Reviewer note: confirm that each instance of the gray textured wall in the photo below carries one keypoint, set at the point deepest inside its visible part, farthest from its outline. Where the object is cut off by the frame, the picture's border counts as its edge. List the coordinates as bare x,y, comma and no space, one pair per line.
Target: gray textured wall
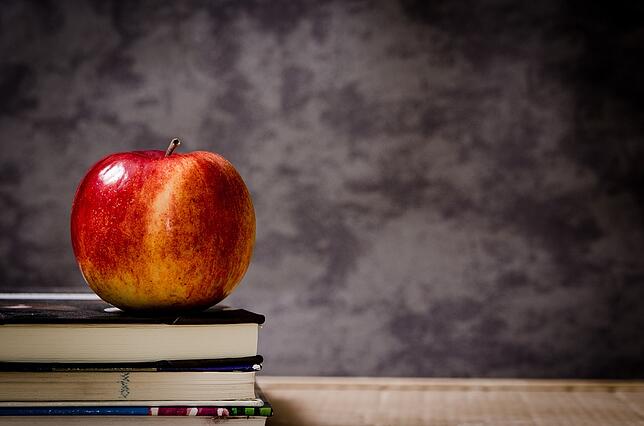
442,188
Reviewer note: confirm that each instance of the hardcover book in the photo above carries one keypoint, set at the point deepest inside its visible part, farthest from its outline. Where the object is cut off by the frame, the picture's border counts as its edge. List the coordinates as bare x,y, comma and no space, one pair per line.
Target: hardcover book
80,328
194,413
125,386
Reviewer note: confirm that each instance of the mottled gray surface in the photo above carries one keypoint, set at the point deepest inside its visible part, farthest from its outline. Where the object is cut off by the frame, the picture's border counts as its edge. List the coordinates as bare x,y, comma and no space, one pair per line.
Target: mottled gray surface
442,188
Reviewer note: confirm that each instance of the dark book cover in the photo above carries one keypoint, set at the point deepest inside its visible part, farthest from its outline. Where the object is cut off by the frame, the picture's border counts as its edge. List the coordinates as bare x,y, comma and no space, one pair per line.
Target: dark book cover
246,364
88,309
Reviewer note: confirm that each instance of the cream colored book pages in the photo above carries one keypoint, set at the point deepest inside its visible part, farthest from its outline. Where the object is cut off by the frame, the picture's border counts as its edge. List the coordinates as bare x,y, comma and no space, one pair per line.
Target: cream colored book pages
132,386
131,343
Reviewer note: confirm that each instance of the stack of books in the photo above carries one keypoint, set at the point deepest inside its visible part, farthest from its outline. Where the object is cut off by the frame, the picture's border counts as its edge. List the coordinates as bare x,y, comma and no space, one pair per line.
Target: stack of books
83,361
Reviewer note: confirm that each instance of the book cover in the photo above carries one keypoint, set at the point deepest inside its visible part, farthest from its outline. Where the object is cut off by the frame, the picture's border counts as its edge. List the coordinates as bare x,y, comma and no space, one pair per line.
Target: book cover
79,308
252,363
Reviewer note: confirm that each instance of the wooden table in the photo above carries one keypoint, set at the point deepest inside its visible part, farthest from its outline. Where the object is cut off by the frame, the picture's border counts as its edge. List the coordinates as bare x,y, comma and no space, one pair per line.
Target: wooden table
464,402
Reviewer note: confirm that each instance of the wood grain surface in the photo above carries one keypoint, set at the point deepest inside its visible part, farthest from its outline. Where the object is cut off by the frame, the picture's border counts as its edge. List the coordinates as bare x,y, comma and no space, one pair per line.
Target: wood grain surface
443,402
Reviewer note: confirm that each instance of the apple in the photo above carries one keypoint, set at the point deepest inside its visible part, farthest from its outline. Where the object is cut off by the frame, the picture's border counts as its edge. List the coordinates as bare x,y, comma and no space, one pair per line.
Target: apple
155,230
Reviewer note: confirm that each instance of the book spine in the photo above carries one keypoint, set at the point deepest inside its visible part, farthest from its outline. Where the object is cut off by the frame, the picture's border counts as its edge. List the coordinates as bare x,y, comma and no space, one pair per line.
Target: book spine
223,369
264,411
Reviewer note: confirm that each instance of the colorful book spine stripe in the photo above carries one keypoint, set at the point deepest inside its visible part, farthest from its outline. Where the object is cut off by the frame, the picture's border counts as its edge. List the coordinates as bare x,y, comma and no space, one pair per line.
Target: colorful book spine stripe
264,411
189,411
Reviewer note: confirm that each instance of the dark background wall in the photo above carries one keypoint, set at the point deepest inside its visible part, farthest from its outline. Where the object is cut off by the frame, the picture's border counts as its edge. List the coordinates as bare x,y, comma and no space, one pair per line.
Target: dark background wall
442,188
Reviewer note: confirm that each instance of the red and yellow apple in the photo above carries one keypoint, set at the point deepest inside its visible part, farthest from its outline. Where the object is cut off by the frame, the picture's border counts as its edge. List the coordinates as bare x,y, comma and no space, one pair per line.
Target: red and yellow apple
154,230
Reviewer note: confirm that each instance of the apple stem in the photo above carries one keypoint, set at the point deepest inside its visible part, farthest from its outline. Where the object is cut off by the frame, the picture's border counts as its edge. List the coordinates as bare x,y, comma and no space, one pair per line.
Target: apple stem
174,144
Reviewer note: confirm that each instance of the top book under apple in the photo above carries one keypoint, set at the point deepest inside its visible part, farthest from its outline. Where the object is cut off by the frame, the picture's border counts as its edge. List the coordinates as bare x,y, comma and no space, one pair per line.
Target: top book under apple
80,328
